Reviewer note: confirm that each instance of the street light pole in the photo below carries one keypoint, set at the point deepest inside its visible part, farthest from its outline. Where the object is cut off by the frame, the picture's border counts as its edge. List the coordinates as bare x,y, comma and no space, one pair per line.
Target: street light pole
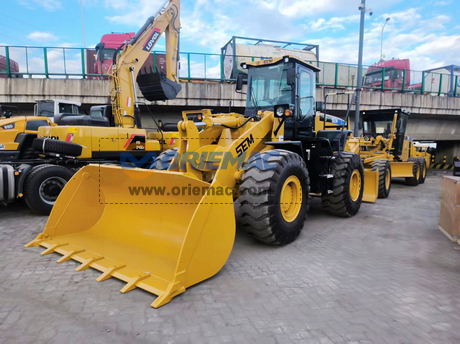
83,24
362,8
381,39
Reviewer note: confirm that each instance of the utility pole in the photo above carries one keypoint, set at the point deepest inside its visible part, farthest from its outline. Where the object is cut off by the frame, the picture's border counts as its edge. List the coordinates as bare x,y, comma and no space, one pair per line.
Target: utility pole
381,40
83,24
362,8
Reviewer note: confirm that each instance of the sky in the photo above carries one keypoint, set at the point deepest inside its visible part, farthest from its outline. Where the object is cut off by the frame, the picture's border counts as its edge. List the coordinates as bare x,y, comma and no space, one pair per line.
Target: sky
425,31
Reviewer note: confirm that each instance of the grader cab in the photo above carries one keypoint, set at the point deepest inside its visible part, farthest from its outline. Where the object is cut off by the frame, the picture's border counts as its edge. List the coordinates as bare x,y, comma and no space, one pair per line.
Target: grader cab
169,227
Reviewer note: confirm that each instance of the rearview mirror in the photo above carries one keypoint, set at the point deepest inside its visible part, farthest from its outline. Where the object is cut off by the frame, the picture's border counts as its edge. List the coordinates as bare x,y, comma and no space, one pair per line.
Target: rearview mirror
291,77
239,82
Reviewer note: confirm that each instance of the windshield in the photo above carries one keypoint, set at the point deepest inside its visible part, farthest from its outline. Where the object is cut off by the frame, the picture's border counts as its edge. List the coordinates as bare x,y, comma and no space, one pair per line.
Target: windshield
375,77
68,108
105,54
373,128
269,87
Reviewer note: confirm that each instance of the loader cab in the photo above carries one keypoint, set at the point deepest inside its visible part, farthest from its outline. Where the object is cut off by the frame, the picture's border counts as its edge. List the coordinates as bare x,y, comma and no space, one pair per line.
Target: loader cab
380,122
281,84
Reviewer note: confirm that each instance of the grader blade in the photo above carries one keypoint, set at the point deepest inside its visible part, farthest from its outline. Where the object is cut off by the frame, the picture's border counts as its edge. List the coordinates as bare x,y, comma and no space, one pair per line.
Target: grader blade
161,240
371,186
402,169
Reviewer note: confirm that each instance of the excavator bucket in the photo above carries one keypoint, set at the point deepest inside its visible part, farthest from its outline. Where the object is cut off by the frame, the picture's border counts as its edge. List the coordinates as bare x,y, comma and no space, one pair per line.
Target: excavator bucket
156,86
150,229
371,186
402,169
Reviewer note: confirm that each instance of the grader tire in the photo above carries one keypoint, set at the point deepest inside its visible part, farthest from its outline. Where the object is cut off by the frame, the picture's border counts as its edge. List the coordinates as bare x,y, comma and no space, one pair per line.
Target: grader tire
415,179
164,160
274,196
423,169
383,166
347,195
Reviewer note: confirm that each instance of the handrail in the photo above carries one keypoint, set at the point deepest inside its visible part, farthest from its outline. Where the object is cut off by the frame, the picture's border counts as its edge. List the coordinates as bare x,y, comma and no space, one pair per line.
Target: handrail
73,62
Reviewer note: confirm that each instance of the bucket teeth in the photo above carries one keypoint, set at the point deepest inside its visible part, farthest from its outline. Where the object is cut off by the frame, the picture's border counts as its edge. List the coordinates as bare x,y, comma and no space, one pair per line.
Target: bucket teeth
132,283
68,256
108,273
53,248
85,265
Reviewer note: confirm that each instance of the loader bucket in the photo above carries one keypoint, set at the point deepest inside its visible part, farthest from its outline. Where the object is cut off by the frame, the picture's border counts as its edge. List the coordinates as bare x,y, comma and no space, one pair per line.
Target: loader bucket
402,169
159,243
371,186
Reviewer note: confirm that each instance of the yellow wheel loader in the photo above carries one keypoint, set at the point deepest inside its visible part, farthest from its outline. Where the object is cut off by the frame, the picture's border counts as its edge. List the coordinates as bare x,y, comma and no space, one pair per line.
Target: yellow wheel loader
167,228
17,134
385,148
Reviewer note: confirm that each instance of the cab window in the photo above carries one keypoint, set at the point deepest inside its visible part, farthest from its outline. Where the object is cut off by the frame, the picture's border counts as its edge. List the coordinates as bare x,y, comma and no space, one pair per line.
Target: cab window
306,90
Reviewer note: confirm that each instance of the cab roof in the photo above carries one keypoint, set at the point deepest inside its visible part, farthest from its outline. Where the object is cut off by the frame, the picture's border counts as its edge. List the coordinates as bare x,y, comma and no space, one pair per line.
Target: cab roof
276,60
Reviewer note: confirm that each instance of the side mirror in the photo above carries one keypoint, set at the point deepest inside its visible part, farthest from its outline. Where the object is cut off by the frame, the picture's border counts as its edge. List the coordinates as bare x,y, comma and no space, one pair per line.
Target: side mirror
291,77
239,81
320,106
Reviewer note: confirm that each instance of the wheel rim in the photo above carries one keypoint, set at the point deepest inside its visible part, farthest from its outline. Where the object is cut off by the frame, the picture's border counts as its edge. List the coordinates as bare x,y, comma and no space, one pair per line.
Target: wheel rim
387,180
417,174
291,198
355,185
424,171
50,189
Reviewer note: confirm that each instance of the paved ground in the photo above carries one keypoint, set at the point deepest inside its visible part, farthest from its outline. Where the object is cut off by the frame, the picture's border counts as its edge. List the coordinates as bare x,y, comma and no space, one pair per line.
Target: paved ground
387,275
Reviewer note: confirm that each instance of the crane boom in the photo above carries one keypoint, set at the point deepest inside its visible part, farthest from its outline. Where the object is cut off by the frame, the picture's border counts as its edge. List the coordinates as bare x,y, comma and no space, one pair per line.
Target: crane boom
127,64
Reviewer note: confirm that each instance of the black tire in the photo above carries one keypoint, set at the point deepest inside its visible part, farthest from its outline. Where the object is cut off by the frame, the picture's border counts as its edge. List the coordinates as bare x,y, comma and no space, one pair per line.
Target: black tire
383,166
164,160
340,202
43,145
415,179
262,214
423,169
28,153
43,185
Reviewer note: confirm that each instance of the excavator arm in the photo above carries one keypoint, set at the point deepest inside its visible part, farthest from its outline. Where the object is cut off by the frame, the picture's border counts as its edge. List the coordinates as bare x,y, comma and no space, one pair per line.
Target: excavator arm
128,63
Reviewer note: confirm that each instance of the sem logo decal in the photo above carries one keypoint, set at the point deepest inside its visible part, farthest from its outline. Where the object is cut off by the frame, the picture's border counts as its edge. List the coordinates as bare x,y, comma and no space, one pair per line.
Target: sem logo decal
152,40
2,146
243,146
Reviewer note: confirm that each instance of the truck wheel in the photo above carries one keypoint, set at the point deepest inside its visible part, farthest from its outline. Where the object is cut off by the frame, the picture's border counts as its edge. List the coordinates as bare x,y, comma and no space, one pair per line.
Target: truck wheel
383,166
164,160
274,196
43,185
347,194
43,145
415,179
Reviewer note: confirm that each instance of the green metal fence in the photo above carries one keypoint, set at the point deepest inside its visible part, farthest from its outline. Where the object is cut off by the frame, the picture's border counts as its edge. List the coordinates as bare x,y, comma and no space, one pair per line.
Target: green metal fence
61,62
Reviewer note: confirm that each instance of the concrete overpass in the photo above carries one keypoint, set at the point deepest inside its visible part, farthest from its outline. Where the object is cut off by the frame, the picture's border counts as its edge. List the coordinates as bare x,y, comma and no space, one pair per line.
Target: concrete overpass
433,118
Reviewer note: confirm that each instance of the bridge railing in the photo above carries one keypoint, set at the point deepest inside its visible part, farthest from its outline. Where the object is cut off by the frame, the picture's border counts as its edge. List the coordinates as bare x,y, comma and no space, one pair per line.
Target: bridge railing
62,62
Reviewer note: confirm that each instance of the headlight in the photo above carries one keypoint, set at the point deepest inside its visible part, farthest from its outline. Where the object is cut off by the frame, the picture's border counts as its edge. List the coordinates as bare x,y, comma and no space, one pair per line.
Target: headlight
279,112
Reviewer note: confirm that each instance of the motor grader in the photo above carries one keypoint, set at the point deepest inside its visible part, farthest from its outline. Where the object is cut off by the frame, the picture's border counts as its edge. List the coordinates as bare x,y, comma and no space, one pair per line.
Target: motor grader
385,148
167,228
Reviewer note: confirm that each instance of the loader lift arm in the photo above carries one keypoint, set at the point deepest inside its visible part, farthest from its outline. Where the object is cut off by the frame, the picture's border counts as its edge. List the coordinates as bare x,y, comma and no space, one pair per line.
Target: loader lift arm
127,64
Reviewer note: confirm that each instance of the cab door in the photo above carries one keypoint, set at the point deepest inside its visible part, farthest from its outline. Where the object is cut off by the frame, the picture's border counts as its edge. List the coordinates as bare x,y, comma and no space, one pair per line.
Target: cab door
305,102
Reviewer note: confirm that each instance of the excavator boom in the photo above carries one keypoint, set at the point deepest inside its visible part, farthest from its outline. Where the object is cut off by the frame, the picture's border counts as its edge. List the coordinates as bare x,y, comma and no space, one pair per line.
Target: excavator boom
130,57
